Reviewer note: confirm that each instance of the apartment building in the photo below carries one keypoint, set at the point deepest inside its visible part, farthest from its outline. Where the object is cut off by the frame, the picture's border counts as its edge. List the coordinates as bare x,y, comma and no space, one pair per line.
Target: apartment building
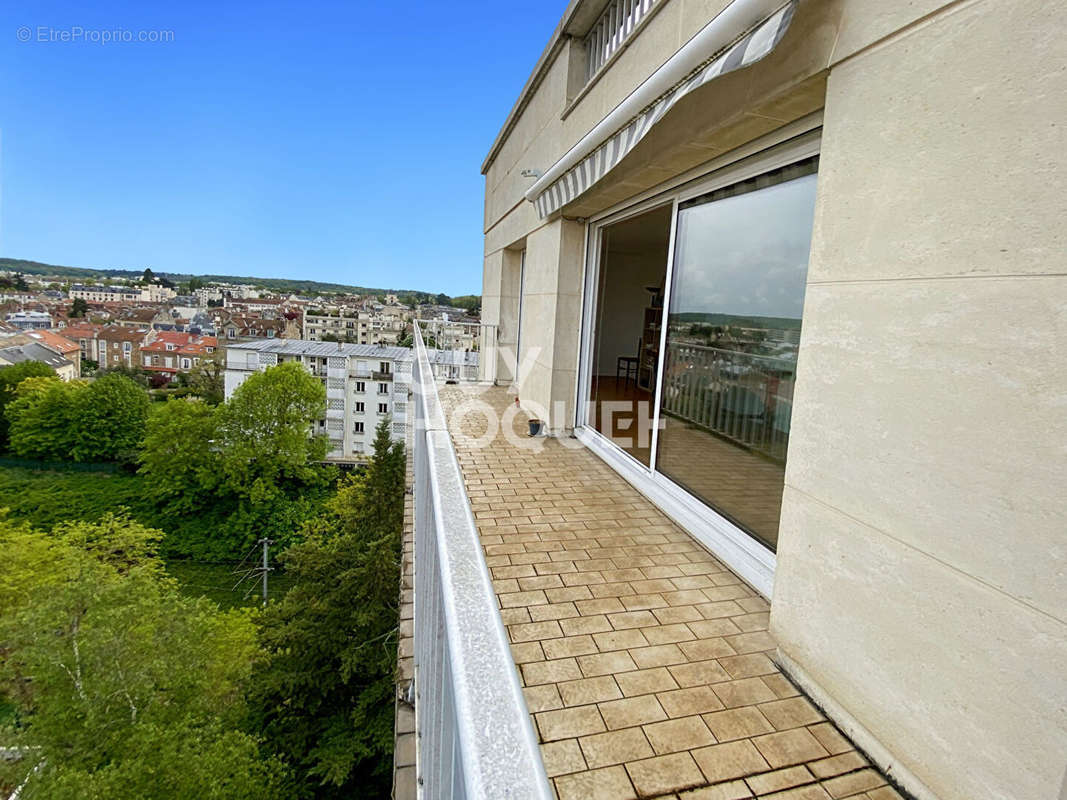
785,267
364,384
104,294
116,346
171,352
385,327
30,320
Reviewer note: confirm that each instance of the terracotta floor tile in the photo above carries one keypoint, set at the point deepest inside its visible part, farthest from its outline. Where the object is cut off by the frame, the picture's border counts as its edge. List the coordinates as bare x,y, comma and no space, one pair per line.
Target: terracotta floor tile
620,640
569,646
615,747
569,723
606,663
631,712
794,712
702,673
693,700
744,692
589,690
670,647
852,783
738,723
723,762
778,780
610,783
671,773
562,757
563,669
789,747
675,735
645,681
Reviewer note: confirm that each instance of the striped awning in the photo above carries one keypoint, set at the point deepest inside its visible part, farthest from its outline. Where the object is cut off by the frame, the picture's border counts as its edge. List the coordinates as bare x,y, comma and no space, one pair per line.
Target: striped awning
749,48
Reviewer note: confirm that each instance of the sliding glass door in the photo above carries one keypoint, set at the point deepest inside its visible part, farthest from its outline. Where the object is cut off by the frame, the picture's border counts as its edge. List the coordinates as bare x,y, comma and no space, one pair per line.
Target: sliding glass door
733,329
715,311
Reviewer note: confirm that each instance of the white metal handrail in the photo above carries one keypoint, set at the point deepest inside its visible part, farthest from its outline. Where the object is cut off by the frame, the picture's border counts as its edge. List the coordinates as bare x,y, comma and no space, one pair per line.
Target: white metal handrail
475,737
613,28
465,351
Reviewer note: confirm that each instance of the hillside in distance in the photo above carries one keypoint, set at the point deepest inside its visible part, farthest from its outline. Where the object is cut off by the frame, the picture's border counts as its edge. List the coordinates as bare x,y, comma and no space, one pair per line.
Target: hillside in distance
89,274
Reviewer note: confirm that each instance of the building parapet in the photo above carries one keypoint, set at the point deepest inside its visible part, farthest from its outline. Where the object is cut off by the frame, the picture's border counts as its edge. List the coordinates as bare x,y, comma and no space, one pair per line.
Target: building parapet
474,735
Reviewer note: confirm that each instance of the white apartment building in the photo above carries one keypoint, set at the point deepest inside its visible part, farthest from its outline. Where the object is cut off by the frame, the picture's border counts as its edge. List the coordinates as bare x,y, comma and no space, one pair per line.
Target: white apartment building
357,327
364,383
152,293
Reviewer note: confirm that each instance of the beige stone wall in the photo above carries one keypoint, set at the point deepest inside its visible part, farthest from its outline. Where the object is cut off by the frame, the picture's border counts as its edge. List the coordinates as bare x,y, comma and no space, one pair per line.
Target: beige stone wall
920,578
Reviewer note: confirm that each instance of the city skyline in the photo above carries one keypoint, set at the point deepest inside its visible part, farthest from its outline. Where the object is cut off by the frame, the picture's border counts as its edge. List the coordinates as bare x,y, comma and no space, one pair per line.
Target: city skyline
275,145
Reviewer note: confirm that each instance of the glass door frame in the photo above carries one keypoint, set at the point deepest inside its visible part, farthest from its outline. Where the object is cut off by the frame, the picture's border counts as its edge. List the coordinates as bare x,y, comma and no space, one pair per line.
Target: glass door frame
751,560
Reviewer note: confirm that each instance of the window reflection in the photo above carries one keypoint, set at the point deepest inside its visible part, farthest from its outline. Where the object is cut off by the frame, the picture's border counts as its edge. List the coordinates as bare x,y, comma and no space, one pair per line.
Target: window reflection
740,266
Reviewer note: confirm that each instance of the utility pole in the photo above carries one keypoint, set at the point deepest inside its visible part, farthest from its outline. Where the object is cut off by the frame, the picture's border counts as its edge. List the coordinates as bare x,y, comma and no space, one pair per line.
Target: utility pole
265,569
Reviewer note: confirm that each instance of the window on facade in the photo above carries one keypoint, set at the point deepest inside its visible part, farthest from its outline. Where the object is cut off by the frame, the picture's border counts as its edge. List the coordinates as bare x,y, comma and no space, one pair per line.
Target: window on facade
360,408
721,337
733,330
383,388
383,408
361,386
384,367
357,427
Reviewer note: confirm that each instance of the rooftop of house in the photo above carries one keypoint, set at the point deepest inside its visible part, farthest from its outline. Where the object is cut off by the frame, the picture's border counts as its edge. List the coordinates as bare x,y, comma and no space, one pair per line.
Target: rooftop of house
300,347
34,352
54,340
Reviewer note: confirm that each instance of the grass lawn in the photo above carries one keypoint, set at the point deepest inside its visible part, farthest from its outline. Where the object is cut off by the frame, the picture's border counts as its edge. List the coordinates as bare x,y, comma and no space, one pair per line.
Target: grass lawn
44,498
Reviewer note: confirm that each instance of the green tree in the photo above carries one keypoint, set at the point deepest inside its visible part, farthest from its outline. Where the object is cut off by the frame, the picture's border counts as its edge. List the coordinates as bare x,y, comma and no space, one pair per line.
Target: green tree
79,307
265,430
323,696
180,456
121,684
43,418
206,379
10,378
111,420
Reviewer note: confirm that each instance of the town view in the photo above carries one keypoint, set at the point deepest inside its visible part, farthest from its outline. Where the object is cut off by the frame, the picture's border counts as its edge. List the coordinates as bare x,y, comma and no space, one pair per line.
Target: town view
577,400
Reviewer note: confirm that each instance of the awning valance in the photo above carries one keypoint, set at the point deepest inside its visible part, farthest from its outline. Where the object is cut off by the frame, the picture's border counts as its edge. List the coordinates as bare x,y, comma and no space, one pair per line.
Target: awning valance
566,180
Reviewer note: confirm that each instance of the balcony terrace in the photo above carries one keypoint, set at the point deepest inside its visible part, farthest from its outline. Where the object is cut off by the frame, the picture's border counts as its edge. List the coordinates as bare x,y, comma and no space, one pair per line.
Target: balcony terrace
645,665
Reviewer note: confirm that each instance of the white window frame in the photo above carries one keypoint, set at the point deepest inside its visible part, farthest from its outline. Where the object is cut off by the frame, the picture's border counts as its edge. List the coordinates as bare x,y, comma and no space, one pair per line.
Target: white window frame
751,560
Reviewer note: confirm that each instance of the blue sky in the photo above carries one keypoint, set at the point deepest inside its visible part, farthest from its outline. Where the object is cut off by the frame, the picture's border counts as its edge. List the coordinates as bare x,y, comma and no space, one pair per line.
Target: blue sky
336,141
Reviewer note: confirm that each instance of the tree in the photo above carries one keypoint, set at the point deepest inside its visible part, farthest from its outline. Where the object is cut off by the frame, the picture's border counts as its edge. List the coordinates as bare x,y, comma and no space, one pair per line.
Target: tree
180,456
120,683
323,696
265,430
111,420
148,276
79,307
206,379
43,418
10,378
99,421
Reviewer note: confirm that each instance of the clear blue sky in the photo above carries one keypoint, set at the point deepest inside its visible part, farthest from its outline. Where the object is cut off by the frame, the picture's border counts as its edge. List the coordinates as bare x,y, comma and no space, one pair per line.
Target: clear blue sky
337,141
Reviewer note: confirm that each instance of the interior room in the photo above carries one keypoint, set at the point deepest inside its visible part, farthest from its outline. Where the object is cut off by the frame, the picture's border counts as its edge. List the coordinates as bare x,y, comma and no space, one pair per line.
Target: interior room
629,318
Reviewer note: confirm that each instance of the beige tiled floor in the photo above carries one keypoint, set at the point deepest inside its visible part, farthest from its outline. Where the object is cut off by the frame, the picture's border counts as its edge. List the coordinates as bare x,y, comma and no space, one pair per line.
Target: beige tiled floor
644,660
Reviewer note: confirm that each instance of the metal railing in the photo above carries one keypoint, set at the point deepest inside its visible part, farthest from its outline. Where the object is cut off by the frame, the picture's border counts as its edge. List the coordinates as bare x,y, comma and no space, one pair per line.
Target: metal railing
611,30
475,738
744,397
463,351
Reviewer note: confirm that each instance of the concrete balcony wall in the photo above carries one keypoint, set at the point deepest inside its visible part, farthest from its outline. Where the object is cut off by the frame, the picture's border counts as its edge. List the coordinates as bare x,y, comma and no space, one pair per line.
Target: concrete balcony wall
921,578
